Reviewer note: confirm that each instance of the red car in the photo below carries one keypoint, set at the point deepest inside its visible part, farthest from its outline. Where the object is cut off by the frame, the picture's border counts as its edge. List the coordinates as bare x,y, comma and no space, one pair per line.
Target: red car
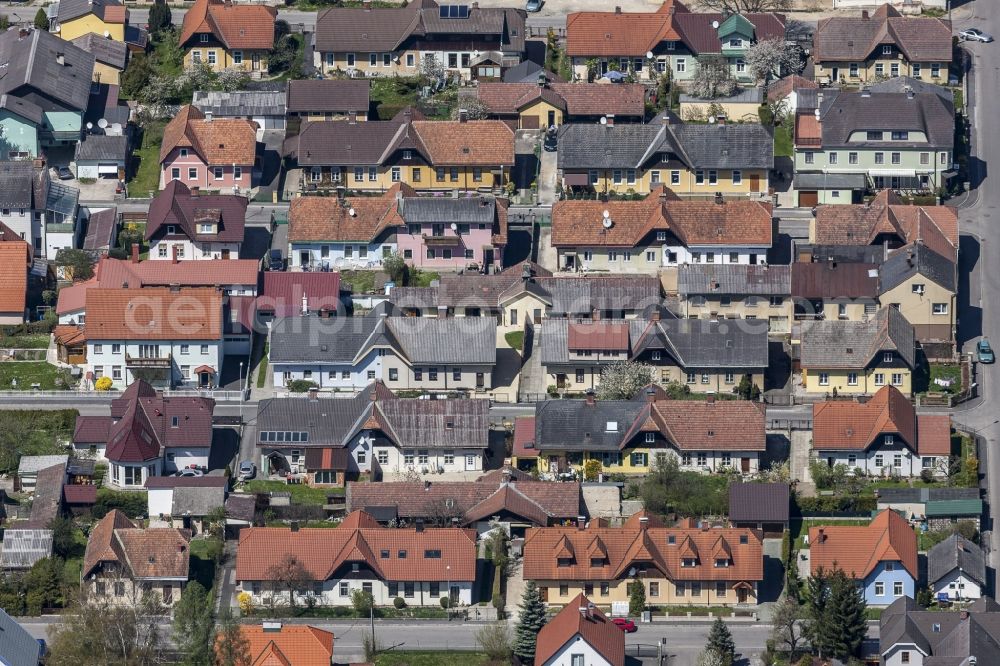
626,625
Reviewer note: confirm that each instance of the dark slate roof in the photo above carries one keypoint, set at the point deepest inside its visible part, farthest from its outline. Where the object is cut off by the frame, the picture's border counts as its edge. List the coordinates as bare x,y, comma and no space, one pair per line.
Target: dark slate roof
917,259
342,142
240,103
729,146
101,147
528,71
32,67
326,420
177,205
845,112
914,495
947,638
956,552
902,84
328,95
585,426
16,185
758,502
594,146
193,501
71,9
107,51
853,344
861,254
735,279
17,646
830,181
22,107
101,229
446,210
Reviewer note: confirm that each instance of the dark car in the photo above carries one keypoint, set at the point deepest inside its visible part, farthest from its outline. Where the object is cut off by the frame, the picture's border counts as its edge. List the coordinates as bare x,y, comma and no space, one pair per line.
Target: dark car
550,141
533,6
625,624
64,173
275,262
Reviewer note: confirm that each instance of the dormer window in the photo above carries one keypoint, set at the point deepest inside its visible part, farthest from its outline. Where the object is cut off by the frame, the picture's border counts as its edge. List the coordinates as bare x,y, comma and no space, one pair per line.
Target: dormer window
736,43
744,539
721,563
184,152
565,562
175,421
204,39
612,426
598,562
401,554
887,357
206,228
671,540
688,562
171,230
889,440
384,554
886,49
671,46
407,154
650,437
355,567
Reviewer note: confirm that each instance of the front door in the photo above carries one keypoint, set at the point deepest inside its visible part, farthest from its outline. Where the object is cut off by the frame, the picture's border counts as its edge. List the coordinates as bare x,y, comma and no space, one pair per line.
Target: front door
304,258
255,59
561,381
754,182
834,74
470,462
569,263
168,594
745,465
741,595
204,379
225,254
551,122
480,380
553,464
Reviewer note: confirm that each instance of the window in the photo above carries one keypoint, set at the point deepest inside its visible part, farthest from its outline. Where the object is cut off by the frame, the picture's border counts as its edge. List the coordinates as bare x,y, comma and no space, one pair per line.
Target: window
344,588
713,177
654,177
879,589
680,65
359,174
640,459
879,158
925,158
116,373
935,70
702,459
897,588
204,349
407,587
116,349
879,379
175,173
185,349
741,65
617,176
453,174
120,585
362,457
833,158
879,69
211,58
382,455
372,174
699,177
192,173
408,457
371,374
896,158
852,379
372,59
730,378
196,55
737,177
852,158
824,379
939,308
580,376
897,379
416,174
690,378
410,60
395,174
237,57
810,157
887,357
879,460
675,177
98,349
423,456
904,657
387,60
217,173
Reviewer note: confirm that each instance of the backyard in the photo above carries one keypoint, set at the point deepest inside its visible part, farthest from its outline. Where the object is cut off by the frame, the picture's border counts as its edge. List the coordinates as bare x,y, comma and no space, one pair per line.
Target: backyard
300,493
24,375
414,658
24,341
33,433
146,181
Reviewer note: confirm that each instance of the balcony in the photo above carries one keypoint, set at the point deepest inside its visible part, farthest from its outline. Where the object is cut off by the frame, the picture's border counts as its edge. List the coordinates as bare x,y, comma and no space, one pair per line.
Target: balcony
148,362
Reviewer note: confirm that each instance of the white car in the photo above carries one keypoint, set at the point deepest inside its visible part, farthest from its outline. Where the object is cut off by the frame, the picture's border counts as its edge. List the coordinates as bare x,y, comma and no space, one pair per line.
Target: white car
975,35
248,470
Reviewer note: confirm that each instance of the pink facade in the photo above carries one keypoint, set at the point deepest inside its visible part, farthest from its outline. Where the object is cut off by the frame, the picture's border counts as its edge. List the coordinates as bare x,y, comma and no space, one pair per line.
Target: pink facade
451,249
185,165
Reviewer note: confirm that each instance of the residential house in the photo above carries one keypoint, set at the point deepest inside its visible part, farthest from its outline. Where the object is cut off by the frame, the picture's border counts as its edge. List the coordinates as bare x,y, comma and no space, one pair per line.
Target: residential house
102,229
898,141
659,231
542,105
373,433
18,648
226,35
759,506
448,233
15,264
265,108
419,565
580,634
184,501
207,153
633,436
956,569
108,19
110,56
124,562
328,99
147,435
883,436
529,293
908,634
41,211
737,291
52,80
454,39
708,356
858,357
684,565
514,502
742,106
923,286
285,294
274,643
670,39
835,291
427,155
430,355
689,158
934,508
791,91
102,156
880,556
884,43
182,224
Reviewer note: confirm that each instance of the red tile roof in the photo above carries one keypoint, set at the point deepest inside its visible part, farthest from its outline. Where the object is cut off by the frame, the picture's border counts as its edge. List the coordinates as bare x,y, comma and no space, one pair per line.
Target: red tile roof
237,26
69,334
119,274
221,141
357,219
283,292
524,437
598,335
74,297
99,544
580,618
471,143
92,429
577,99
154,313
288,645
858,550
79,494
144,424
15,259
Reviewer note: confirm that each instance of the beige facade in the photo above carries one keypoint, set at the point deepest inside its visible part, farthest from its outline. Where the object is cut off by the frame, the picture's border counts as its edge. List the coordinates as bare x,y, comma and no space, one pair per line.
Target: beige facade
659,592
681,180
744,112
372,178
577,379
777,310
863,381
929,307
877,69
109,586
398,375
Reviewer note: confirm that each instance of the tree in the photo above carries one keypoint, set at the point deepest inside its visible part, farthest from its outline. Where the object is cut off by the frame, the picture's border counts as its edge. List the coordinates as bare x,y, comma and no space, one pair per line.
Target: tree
78,264
395,266
727,7
99,632
4,23
289,575
281,28
494,639
284,54
475,109
787,624
231,647
712,658
720,641
712,78
431,67
63,536
363,601
530,622
836,613
636,597
41,20
43,585
194,626
772,57
623,380
159,17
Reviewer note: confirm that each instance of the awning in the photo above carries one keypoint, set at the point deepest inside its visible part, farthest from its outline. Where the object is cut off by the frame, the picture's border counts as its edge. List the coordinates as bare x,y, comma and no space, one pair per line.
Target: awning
576,179
829,181
204,368
901,173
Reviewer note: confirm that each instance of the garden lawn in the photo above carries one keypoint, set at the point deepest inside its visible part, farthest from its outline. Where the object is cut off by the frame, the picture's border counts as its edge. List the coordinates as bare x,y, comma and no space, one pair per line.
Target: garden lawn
30,341
30,372
146,179
782,141
515,339
301,493
390,94
414,658
362,282
420,278
203,558
947,371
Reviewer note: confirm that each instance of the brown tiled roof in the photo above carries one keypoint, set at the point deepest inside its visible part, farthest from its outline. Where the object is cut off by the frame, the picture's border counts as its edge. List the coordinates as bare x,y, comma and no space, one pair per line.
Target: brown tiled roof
830,279
328,95
360,539
237,26
590,624
156,552
177,205
758,502
282,292
92,429
221,141
856,38
472,143
579,223
186,482
99,544
9,235
577,99
786,85
116,273
74,297
15,258
598,335
69,334
154,313
358,219
80,494
719,425
858,550
650,545
287,645
862,224
524,435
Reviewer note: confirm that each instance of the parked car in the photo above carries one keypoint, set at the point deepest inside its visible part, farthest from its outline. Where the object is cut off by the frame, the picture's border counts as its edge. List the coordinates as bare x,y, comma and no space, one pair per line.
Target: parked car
190,471
984,352
64,173
248,470
975,35
275,262
625,624
533,6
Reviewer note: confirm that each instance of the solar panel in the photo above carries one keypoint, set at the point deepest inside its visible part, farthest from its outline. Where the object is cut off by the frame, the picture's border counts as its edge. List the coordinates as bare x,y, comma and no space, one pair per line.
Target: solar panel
443,11
453,11
463,11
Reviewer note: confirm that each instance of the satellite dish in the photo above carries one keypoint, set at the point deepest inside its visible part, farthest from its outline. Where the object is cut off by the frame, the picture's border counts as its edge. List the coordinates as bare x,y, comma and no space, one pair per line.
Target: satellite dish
607,214
715,24
649,55
90,126
107,35
607,223
454,227
102,123
475,54
351,212
711,120
604,120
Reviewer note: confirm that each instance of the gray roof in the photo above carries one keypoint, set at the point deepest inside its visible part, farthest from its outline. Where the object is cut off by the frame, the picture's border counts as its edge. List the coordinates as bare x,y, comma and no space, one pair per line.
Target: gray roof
946,637
23,547
854,344
328,95
527,71
956,552
103,148
914,495
22,107
17,646
830,181
33,70
16,184
196,501
326,420
734,279
241,103
446,210
420,340
101,228
71,9
758,502
105,50
860,254
62,198
580,295
729,146
917,259
563,421
753,95
593,146
35,464
903,84
845,112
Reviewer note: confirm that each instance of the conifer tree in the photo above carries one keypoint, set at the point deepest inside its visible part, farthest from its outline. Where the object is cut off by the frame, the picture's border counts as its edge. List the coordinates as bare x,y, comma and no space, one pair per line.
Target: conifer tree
531,621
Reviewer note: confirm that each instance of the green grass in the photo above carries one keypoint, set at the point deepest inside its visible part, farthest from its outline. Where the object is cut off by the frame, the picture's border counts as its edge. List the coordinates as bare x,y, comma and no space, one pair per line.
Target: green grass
49,377
421,278
362,282
957,92
146,179
945,371
415,658
874,613
782,141
204,555
391,94
515,339
262,367
800,528
38,341
301,493
697,611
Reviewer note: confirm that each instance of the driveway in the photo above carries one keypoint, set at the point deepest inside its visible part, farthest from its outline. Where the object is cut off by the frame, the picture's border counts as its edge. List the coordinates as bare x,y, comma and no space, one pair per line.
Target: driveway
271,161
547,173
801,444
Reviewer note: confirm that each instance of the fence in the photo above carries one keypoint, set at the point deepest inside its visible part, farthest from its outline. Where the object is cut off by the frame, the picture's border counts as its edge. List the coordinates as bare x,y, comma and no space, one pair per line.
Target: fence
107,396
789,424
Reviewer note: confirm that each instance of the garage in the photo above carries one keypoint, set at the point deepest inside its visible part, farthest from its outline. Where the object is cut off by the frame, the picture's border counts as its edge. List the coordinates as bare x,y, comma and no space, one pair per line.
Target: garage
101,156
808,198
107,170
529,122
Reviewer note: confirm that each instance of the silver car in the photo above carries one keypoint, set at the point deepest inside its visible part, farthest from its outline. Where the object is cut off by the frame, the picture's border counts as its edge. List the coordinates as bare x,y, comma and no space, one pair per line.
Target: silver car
975,35
248,470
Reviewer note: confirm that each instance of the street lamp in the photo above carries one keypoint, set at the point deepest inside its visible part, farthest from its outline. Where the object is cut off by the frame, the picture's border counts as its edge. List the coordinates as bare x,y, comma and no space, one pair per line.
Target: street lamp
241,395
447,568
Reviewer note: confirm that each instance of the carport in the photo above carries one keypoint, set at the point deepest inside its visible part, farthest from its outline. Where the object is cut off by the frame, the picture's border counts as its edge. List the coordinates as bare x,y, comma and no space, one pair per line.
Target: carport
101,156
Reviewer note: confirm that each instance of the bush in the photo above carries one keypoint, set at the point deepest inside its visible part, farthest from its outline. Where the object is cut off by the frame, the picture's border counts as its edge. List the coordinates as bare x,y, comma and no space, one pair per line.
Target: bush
445,601
398,603
498,600
131,503
301,385
103,384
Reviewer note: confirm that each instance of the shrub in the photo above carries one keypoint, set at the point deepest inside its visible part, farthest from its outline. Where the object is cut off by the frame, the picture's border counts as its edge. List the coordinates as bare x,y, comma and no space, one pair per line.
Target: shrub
103,384
399,603
445,601
498,600
301,385
131,503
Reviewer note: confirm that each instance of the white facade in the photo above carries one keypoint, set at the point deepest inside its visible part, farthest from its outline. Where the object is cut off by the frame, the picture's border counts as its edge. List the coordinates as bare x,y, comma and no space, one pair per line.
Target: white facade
178,458
73,317
711,461
337,592
676,255
132,476
159,501
364,454
60,240
904,654
872,462
163,249
958,586
26,223
106,358
84,451
575,649
338,255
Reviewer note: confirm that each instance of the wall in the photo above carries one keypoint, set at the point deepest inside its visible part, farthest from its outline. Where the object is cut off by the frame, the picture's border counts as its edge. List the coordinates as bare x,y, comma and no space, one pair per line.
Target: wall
406,62
178,458
779,317
19,136
578,648
667,594
647,258
644,460
894,655
116,474
362,254
329,593
911,464
70,30
397,459
869,70
193,358
866,382
466,247
711,380
204,174
106,74
734,111
133,591
159,501
958,585
889,578
28,224
393,371
909,159
539,111
919,308
226,59
680,62
678,178
418,177
57,240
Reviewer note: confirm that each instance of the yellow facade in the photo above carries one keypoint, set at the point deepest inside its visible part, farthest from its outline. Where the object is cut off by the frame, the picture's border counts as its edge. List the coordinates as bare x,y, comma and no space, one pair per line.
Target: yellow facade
659,592
860,382
219,59
80,26
417,177
929,307
393,63
745,112
680,180
540,115
713,381
360,116
106,74
777,313
880,68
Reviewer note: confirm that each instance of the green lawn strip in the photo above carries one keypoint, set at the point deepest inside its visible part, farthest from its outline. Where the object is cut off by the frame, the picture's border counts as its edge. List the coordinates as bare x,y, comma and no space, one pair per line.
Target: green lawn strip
945,371
515,340
362,282
204,555
421,278
146,179
415,658
300,493
39,341
782,141
31,372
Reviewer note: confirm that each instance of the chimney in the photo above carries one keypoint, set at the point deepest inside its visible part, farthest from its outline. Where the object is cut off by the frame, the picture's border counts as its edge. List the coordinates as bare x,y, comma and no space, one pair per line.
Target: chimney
643,522
135,253
305,304
650,394
419,525
313,394
60,59
595,314
671,10
526,271
610,117
505,475
463,115
591,397
208,116
718,198
581,522
174,258
618,9
427,485
864,13
720,120
820,535
295,526
909,93
866,92
475,5
710,398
